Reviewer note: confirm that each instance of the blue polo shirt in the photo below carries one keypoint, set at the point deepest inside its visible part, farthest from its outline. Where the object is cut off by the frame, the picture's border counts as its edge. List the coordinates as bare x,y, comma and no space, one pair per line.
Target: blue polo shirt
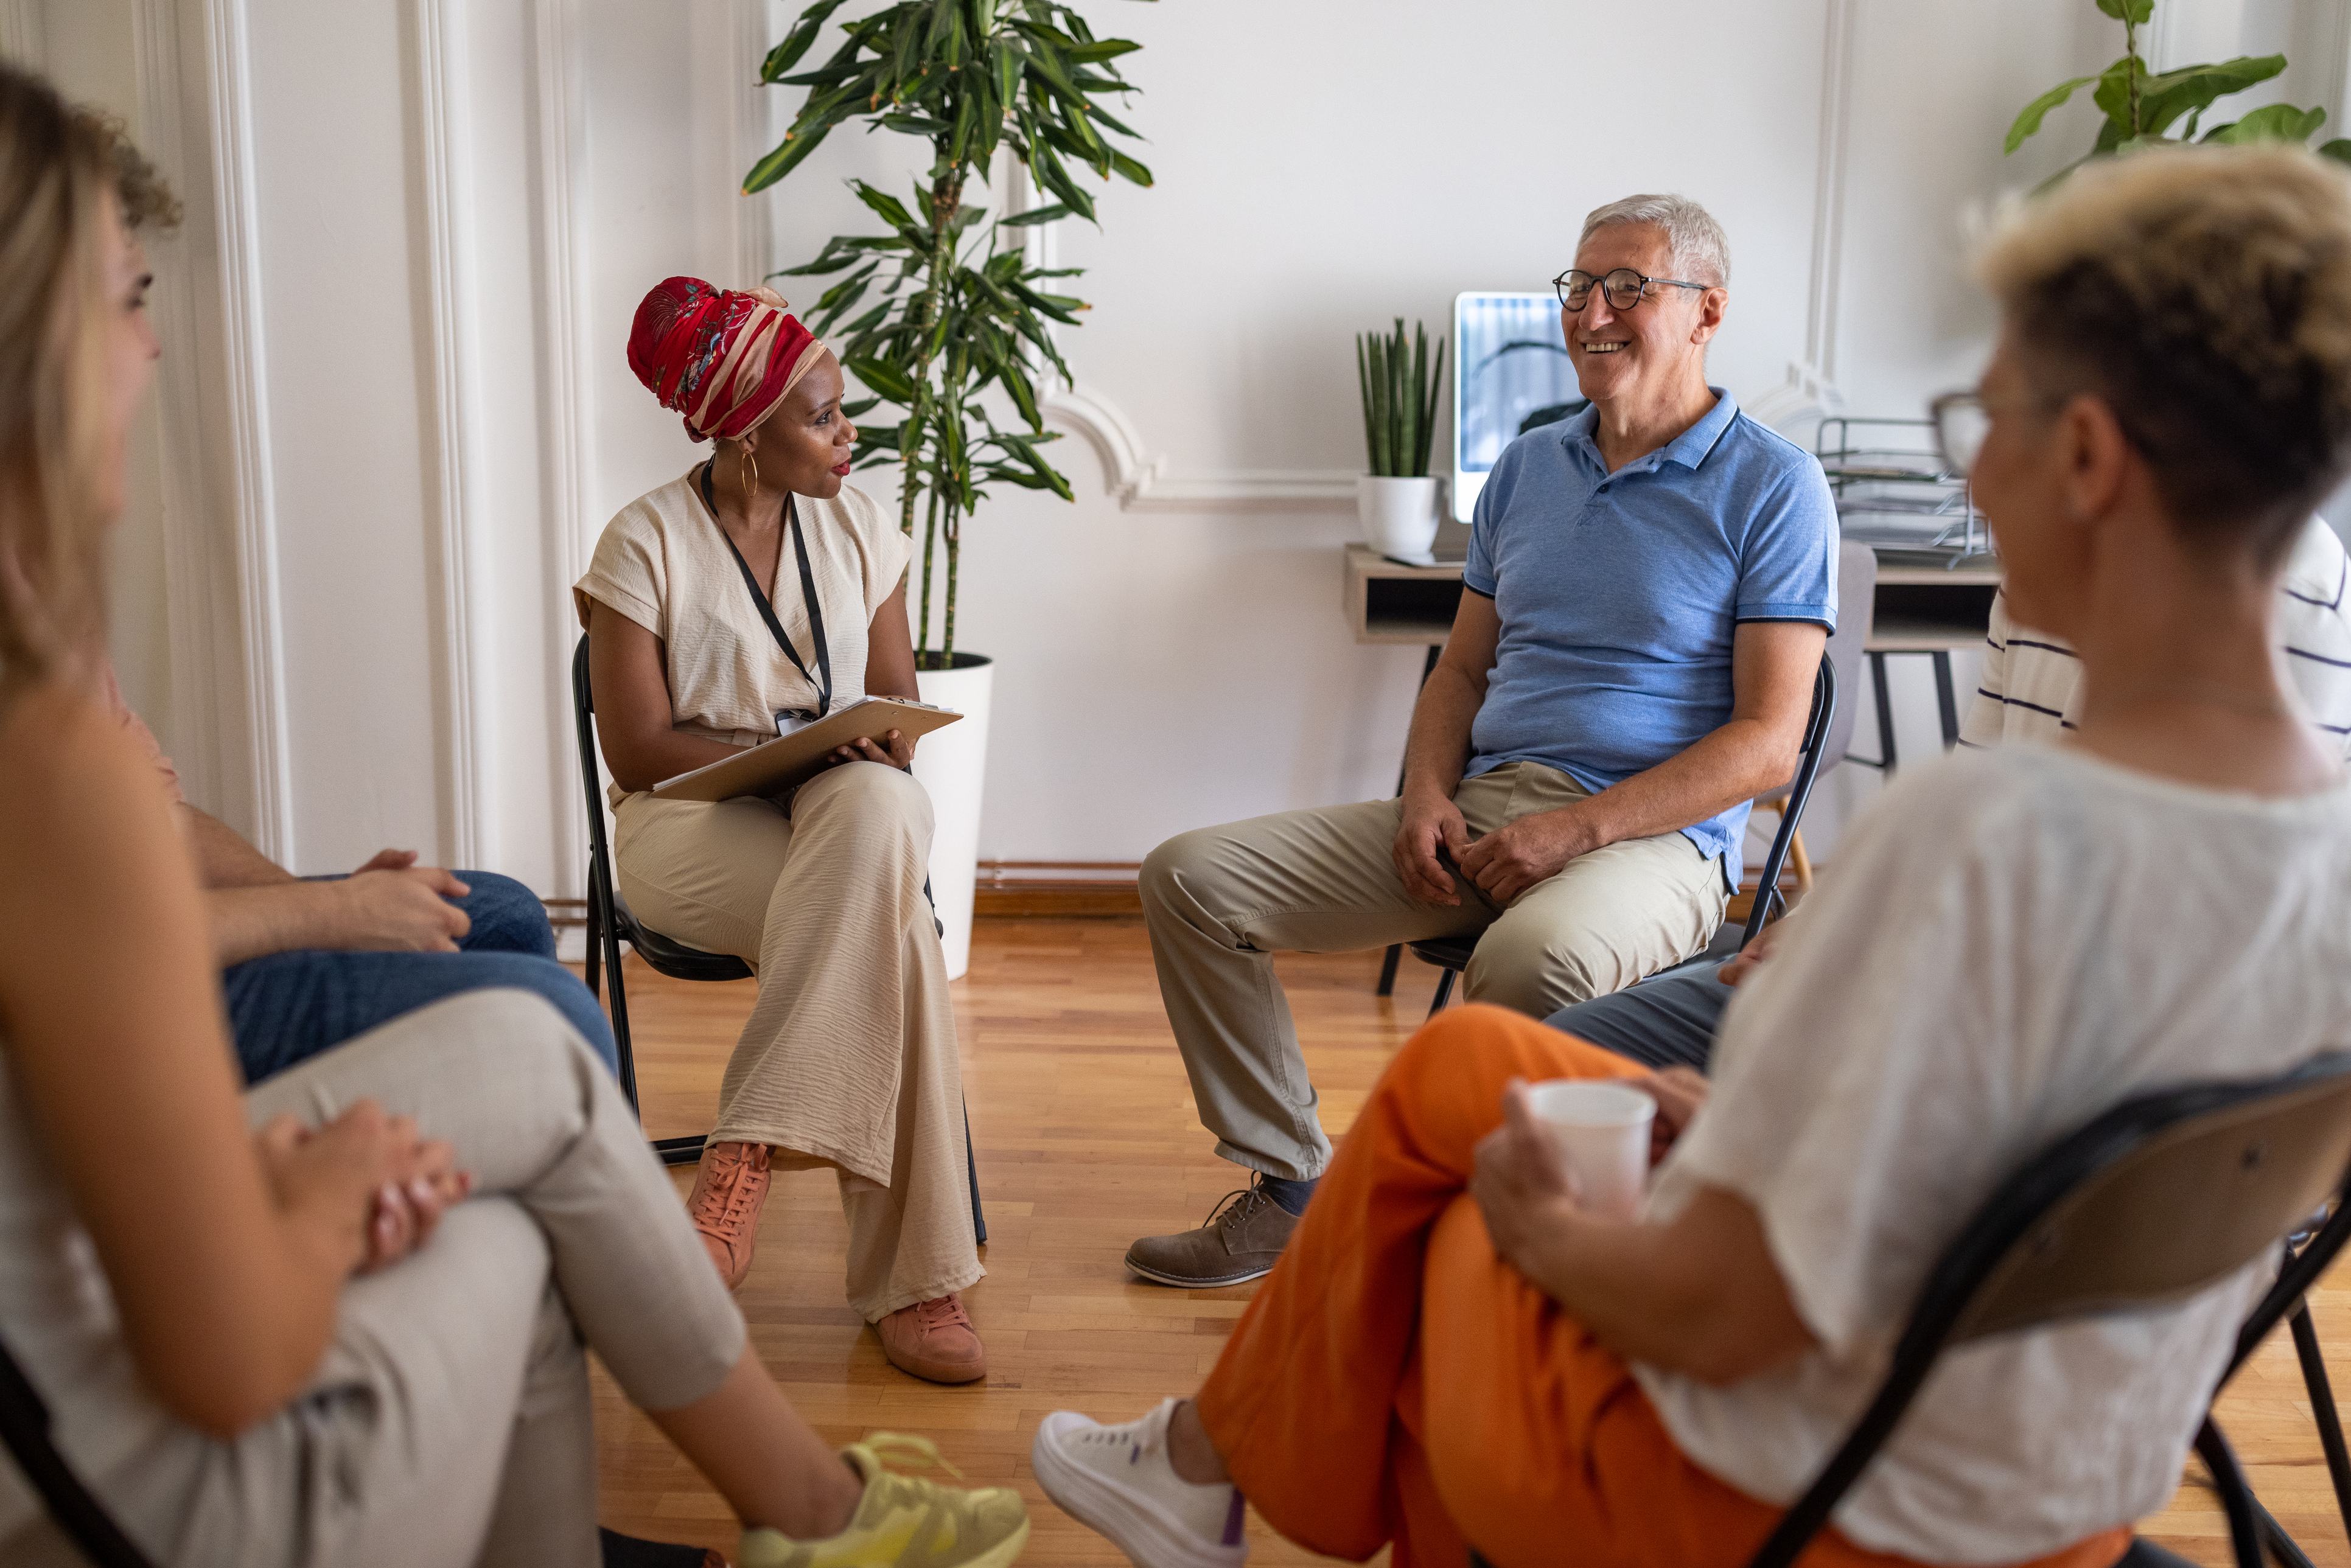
1618,592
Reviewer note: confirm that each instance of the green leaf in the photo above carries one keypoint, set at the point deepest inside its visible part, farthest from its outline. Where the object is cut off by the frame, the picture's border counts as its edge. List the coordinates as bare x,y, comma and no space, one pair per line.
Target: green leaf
2038,109
892,211
1093,111
2271,122
1008,63
888,380
787,157
1035,215
786,55
1130,169
1103,49
2339,150
2174,95
2135,12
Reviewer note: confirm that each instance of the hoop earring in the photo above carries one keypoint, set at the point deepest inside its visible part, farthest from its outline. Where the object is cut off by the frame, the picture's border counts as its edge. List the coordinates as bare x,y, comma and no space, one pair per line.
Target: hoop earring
745,460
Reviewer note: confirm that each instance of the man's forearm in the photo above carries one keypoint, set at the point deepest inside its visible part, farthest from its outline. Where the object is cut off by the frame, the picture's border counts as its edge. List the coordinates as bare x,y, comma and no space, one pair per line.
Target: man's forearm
1438,748
280,917
222,857
1738,762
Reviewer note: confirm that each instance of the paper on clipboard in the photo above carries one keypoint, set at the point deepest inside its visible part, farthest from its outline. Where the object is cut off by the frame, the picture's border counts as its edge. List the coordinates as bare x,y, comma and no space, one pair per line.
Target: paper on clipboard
775,766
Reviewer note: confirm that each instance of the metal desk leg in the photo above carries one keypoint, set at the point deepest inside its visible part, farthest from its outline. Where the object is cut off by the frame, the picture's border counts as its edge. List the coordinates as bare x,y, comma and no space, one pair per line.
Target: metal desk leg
1395,953
1945,700
1885,713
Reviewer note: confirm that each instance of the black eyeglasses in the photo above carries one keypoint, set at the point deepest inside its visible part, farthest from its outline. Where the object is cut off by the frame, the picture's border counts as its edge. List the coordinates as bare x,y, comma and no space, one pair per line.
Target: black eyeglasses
1960,426
1623,287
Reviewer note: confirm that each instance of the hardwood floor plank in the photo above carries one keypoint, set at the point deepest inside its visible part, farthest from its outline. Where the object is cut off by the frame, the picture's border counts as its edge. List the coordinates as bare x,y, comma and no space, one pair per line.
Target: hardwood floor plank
1086,1137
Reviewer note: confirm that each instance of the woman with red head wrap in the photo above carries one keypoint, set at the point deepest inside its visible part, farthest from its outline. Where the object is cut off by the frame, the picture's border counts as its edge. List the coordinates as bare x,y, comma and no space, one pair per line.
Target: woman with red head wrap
754,592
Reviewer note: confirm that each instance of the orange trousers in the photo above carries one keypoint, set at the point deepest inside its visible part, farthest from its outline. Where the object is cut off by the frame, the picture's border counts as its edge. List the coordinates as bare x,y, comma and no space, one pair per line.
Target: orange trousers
1395,1380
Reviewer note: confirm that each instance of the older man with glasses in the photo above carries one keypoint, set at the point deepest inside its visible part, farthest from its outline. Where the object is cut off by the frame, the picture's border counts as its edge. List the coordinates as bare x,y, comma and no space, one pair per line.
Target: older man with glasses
1650,584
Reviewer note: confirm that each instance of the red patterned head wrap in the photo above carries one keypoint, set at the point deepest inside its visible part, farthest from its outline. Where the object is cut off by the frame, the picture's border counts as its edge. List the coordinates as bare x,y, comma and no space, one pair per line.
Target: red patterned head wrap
723,358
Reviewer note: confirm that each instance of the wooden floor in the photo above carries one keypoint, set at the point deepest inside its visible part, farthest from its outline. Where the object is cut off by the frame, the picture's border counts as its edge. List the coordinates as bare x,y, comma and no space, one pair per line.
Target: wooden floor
1086,1139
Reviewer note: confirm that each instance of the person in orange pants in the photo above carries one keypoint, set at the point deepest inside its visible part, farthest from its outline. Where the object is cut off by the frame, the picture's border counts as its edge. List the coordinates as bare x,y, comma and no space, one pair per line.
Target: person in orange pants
1489,1414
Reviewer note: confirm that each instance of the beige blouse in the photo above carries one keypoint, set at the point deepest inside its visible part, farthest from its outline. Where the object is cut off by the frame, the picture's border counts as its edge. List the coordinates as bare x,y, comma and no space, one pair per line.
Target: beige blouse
665,563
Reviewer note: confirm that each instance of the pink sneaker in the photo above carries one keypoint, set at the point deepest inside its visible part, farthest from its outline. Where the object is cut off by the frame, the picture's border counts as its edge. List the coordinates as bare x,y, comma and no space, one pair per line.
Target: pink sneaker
730,1187
934,1340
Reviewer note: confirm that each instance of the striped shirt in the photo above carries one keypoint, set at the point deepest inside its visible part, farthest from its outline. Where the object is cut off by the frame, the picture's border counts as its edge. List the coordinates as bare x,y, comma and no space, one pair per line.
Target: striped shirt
2032,682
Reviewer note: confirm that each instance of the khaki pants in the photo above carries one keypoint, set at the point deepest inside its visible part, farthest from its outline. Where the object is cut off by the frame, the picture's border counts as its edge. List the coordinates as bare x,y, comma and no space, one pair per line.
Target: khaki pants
448,1422
1220,901
849,1057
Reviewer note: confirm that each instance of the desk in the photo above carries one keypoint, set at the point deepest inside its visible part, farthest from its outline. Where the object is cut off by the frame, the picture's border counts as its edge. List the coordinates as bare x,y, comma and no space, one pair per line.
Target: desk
1925,609
1915,610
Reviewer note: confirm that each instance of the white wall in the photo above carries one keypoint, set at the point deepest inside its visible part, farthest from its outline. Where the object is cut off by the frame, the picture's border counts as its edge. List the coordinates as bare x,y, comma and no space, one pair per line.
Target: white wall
397,411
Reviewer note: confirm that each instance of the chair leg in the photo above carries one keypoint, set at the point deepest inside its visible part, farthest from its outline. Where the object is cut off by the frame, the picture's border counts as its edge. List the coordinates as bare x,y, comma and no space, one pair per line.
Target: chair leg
971,1172
1444,993
1801,860
619,1012
2236,1497
595,933
1388,970
2322,1409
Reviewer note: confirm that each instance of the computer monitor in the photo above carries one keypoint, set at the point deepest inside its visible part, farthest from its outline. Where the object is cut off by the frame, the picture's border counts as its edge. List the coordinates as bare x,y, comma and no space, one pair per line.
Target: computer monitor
1510,365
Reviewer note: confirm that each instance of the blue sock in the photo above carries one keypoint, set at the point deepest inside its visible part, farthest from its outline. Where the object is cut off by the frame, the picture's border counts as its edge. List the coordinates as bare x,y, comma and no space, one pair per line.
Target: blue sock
1291,1195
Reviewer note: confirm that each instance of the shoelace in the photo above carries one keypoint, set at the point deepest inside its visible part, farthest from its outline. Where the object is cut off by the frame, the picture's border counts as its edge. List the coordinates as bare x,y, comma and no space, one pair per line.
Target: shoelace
1236,1206
942,1313
730,1196
904,1449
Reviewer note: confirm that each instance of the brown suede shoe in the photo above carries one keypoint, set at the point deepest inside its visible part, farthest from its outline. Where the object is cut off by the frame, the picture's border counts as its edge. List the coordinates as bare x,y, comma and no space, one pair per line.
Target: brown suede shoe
934,1340
730,1187
1241,1241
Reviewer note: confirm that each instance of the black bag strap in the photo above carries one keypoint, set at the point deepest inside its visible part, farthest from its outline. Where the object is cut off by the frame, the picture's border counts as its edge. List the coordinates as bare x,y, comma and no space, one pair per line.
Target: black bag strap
25,1428
768,610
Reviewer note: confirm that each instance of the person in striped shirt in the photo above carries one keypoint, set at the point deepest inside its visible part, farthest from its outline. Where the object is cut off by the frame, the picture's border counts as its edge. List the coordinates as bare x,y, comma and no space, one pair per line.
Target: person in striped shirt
2032,683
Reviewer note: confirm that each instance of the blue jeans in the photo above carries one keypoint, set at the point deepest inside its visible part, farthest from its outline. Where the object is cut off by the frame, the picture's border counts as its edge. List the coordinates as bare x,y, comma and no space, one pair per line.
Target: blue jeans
285,1007
1667,1019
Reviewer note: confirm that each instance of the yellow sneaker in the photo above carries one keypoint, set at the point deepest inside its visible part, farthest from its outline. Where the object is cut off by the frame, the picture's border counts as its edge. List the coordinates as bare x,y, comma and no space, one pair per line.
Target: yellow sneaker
903,1522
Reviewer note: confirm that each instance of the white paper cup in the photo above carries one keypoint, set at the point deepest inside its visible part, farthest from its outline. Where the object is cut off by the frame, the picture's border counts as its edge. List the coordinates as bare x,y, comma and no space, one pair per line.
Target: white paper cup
1602,1131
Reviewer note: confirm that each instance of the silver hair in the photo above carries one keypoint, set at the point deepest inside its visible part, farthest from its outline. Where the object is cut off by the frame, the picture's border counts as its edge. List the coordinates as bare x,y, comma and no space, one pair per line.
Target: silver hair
1702,251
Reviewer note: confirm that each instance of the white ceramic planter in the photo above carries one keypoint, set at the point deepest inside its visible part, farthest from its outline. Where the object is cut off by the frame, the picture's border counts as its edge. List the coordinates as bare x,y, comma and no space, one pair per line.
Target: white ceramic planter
952,765
1399,516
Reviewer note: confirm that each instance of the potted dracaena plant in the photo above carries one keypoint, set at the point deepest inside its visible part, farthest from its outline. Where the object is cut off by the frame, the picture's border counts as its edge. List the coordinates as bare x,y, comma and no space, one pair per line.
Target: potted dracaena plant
2142,108
1396,501
944,305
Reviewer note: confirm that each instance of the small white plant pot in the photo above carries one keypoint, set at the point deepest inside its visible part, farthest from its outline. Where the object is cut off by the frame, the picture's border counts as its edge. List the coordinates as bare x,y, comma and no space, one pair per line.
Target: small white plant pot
952,765
1399,516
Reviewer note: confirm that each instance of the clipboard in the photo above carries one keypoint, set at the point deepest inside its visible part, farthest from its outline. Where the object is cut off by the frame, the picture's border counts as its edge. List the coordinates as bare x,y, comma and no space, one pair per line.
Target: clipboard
775,766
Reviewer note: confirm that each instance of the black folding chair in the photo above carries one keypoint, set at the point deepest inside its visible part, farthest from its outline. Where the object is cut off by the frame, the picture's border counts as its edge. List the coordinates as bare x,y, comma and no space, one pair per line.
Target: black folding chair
611,923
2156,1200
1452,954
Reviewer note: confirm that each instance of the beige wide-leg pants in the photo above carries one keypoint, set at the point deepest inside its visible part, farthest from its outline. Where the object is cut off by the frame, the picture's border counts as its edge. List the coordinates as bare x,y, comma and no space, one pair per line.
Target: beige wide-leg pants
1219,901
449,1422
849,1057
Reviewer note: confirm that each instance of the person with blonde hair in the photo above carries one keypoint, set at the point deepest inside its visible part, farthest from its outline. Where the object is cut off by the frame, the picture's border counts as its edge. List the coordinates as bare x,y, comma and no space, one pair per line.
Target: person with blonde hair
1454,1354
340,1319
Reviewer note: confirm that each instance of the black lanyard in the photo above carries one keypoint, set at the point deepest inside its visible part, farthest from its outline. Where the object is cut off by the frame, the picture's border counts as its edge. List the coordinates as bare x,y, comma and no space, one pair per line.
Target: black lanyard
768,611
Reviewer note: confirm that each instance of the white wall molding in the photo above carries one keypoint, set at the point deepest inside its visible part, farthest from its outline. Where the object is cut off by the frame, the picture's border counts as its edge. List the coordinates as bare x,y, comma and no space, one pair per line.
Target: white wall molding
561,214
1811,387
236,208
23,37
457,387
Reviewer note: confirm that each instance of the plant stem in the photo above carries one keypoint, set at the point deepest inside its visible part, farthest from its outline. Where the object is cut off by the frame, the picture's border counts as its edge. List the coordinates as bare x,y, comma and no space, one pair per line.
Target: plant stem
2130,48
955,556
930,536
947,195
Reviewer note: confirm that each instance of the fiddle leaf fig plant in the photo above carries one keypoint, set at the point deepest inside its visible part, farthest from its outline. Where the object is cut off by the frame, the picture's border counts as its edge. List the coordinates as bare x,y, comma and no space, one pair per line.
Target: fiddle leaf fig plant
2143,108
951,304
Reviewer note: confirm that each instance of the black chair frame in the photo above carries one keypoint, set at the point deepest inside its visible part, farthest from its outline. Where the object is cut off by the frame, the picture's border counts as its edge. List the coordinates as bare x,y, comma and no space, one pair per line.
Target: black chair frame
2006,1224
611,923
1451,954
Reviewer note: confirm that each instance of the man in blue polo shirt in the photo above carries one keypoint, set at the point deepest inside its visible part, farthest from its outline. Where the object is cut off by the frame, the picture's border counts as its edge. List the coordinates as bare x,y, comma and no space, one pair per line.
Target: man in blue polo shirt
1648,589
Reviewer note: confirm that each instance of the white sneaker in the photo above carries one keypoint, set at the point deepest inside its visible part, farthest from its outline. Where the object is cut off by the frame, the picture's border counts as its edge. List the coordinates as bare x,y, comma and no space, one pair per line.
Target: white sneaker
1118,1480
